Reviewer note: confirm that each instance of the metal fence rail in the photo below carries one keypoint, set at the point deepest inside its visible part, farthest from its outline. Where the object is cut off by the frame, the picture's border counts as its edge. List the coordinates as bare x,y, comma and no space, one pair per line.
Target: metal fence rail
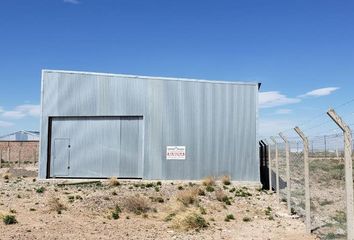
315,176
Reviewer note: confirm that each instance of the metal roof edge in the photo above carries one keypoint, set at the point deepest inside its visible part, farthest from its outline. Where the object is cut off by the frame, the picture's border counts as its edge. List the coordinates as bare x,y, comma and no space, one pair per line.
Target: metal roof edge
151,77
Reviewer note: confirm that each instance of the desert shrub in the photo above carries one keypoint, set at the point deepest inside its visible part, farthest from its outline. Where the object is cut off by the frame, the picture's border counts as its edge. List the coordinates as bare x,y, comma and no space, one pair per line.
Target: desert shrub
137,204
180,187
159,183
226,180
116,212
71,199
157,189
40,190
169,217
157,199
268,211
229,217
209,181
202,210
340,217
201,192
246,219
9,219
220,195
114,193
6,177
242,192
190,221
54,204
325,202
210,189
113,181
149,185
188,196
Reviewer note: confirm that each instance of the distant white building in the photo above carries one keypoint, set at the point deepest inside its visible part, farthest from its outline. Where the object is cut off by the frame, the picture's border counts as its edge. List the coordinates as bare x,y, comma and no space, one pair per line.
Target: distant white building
21,136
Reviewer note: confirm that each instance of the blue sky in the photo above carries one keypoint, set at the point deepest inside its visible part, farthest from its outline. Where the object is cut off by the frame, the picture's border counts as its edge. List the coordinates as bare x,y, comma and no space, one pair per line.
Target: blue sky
293,48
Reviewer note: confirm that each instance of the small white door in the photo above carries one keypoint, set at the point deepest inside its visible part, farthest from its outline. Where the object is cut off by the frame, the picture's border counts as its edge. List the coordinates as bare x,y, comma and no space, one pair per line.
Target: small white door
61,157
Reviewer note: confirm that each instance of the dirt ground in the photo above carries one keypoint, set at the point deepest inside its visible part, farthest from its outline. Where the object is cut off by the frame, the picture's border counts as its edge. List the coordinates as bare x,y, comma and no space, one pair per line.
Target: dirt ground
87,210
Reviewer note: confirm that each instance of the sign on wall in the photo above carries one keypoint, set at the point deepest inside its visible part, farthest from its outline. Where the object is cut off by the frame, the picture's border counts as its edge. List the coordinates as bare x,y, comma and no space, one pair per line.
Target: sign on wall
176,152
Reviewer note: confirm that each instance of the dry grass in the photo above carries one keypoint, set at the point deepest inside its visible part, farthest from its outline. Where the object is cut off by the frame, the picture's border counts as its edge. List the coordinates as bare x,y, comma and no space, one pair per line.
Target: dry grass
137,204
188,196
226,180
54,204
114,182
209,181
189,221
220,195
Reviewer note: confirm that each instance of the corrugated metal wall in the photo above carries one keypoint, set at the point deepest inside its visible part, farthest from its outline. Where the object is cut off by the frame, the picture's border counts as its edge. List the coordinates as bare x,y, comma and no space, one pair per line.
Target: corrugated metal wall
216,121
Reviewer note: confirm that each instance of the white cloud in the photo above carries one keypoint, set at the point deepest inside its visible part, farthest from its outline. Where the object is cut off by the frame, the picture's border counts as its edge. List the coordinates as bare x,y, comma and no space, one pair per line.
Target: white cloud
4,124
72,1
274,99
283,111
22,111
320,92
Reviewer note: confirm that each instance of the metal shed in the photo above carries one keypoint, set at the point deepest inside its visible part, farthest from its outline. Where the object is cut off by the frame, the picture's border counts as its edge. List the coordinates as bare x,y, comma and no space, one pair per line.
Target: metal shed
97,125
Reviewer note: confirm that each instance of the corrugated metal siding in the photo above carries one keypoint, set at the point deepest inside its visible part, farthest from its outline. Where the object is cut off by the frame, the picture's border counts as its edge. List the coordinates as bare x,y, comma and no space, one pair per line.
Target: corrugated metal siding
217,122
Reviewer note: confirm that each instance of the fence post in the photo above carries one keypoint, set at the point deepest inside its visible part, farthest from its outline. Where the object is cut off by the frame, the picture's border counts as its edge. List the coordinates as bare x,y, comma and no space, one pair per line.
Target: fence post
269,165
8,154
19,155
276,167
34,157
348,170
307,182
287,158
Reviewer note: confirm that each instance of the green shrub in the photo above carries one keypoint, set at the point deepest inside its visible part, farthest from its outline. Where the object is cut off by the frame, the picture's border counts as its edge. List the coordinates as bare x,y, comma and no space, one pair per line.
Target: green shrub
116,212
169,217
40,190
210,188
9,219
229,217
202,210
242,192
246,219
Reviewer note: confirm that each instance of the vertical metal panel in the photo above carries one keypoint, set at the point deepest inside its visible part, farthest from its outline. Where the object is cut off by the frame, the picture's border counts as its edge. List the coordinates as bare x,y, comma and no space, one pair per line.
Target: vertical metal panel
216,121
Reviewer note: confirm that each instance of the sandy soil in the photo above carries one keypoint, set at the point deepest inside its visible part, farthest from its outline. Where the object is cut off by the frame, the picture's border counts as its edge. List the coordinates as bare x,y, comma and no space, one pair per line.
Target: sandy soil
90,217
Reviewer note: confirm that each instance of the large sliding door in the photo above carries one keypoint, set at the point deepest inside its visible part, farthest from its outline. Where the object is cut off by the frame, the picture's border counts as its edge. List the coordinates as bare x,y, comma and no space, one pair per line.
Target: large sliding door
98,147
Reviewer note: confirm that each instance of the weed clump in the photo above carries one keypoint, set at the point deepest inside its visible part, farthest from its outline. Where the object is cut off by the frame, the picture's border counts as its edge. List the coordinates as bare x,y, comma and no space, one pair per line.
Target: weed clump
40,190
113,181
246,219
226,180
116,212
229,217
55,205
137,204
209,181
210,189
190,221
242,192
188,196
9,219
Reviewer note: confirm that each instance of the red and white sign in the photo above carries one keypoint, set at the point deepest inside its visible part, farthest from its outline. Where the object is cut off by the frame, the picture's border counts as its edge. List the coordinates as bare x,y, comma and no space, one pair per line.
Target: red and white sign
176,152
